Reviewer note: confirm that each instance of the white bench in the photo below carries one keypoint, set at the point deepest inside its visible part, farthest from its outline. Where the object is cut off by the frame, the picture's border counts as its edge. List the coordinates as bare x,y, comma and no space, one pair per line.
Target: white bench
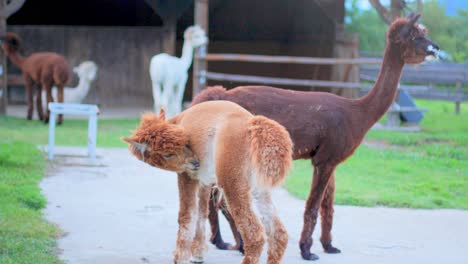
74,109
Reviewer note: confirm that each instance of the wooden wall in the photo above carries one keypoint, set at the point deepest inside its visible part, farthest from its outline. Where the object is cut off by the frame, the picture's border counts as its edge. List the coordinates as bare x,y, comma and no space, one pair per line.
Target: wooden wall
121,53
269,27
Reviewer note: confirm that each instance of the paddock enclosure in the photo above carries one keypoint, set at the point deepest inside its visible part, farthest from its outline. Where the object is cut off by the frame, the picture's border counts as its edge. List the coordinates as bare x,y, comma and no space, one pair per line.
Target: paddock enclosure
121,53
122,36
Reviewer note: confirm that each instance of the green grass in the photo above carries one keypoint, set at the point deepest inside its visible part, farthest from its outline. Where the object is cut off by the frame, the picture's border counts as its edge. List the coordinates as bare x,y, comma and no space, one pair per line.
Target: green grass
24,236
428,169
71,133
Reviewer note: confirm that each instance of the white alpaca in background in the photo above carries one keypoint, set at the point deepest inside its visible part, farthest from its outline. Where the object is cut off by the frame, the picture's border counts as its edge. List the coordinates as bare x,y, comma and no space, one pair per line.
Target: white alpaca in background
86,72
169,74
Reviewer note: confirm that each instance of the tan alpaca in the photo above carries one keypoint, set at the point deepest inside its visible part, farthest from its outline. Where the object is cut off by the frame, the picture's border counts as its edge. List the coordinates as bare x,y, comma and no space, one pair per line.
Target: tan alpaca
220,143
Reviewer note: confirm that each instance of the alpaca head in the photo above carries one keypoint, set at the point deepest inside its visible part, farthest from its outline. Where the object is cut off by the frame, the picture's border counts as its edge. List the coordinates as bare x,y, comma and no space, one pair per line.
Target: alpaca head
196,36
412,40
86,70
162,145
11,42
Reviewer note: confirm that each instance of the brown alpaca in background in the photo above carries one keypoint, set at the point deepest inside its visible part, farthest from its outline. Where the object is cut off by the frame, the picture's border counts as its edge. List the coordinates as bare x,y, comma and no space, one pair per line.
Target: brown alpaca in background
45,69
327,128
220,143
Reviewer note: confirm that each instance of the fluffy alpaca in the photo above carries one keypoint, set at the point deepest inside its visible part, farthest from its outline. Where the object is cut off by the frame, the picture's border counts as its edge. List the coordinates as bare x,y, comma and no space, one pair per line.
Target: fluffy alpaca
169,74
42,68
327,128
220,143
86,72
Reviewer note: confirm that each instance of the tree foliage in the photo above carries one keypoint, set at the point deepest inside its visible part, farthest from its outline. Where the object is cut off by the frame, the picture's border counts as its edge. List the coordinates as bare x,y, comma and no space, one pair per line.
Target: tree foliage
449,32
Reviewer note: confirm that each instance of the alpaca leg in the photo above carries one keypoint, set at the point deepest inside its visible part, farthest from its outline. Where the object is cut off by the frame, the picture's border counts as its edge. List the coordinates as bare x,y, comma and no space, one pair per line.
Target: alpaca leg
216,238
179,95
321,176
235,232
49,100
157,92
199,243
168,90
60,100
187,218
172,102
40,113
239,201
326,216
275,231
29,97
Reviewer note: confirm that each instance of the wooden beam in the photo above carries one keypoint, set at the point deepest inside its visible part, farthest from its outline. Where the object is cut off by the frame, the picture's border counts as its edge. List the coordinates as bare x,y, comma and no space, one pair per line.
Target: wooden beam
3,62
281,81
286,59
199,66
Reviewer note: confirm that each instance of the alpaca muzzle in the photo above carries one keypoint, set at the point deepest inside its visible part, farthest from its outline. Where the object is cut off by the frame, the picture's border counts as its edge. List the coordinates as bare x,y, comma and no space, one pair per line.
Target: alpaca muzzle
433,49
194,165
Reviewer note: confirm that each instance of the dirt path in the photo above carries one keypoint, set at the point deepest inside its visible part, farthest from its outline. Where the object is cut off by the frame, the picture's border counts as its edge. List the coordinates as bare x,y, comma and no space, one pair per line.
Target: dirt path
120,210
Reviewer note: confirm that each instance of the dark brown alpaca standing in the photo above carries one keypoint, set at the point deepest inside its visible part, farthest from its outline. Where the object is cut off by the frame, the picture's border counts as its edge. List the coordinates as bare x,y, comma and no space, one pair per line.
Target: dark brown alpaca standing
45,69
327,128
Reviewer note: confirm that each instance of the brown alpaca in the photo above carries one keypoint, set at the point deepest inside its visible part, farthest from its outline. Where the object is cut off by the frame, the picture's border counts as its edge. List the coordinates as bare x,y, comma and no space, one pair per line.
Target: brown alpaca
45,69
220,143
327,128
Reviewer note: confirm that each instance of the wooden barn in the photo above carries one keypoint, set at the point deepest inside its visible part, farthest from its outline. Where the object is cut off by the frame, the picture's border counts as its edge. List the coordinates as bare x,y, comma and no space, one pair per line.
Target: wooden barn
121,36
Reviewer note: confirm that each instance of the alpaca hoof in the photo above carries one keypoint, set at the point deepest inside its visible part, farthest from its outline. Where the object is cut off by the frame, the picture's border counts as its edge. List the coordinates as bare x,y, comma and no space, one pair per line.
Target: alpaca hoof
222,245
241,250
328,248
29,118
197,259
306,254
219,243
59,122
309,256
239,247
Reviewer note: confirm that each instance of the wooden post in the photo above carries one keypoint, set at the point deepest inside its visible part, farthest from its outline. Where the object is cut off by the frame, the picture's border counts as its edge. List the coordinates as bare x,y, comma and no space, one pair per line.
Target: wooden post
169,40
199,65
458,96
346,47
3,63
6,10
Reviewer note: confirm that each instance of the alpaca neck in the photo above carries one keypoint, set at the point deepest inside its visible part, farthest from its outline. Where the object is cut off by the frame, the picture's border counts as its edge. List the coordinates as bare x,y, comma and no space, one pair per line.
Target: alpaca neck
376,103
82,88
187,55
16,58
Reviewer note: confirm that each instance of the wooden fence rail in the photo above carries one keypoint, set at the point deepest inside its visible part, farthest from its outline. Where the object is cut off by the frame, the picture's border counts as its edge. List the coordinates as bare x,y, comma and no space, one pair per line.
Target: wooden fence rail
279,81
286,59
299,82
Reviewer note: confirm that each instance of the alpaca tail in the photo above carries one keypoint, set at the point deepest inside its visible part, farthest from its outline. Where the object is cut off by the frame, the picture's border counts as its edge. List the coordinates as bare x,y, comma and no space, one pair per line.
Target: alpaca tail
212,93
271,150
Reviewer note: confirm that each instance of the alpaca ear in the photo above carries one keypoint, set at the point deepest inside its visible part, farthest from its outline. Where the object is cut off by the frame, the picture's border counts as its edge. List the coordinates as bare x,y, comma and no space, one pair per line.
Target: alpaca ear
162,114
412,18
140,147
